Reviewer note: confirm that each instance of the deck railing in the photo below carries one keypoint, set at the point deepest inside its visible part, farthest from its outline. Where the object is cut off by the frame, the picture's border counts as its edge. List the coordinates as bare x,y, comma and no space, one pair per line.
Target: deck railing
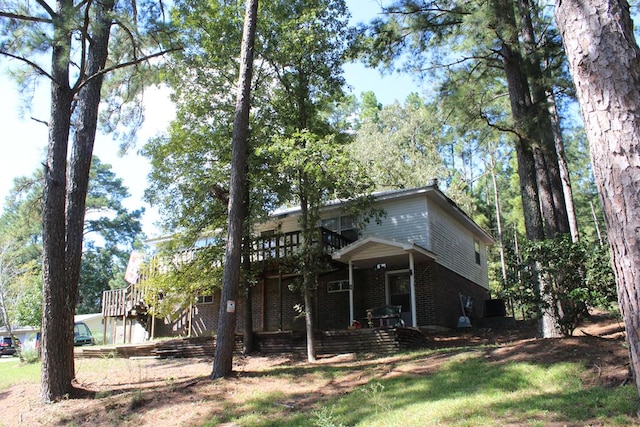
114,302
284,245
120,302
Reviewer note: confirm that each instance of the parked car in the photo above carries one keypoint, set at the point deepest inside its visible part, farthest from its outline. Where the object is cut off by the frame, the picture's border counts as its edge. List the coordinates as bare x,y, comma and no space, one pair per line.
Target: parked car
7,346
82,334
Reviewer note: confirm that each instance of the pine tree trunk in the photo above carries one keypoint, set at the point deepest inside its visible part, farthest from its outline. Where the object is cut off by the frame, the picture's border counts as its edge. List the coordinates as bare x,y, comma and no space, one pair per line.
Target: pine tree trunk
520,101
552,196
223,355
496,202
604,61
530,162
82,152
57,328
564,168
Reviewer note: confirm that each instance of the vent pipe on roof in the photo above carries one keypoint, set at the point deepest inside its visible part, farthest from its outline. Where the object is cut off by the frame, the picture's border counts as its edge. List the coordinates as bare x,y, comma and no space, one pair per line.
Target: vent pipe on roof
433,182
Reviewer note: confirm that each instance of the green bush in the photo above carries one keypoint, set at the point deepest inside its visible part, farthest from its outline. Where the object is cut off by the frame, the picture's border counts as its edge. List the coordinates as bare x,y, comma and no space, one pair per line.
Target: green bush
31,356
578,276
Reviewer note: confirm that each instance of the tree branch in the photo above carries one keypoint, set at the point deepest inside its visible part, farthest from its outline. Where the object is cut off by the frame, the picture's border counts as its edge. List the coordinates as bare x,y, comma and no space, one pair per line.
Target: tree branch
498,127
44,122
43,4
463,60
25,17
32,64
395,10
126,64
82,4
84,37
129,34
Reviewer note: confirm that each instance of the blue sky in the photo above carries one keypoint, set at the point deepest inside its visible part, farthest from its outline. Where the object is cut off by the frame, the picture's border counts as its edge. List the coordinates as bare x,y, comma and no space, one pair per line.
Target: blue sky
24,140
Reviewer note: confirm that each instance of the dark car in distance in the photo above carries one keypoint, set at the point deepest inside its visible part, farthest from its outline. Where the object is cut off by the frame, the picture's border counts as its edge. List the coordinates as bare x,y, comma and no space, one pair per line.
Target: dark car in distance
7,347
82,334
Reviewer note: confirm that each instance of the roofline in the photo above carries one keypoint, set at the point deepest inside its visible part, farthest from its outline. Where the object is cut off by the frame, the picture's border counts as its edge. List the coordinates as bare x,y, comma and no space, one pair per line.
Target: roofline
378,195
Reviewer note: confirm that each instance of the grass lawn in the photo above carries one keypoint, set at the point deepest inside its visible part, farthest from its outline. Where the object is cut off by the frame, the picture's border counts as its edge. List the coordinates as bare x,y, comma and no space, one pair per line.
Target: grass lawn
13,372
466,390
446,387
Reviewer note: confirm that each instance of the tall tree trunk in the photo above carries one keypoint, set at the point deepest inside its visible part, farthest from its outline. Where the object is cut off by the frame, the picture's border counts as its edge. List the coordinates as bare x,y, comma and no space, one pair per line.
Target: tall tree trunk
246,279
309,324
82,151
564,168
521,108
596,223
552,197
496,202
223,355
57,327
520,101
309,274
604,60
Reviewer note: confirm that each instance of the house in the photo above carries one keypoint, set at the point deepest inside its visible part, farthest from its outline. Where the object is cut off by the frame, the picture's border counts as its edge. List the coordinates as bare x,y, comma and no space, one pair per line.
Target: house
426,256
26,335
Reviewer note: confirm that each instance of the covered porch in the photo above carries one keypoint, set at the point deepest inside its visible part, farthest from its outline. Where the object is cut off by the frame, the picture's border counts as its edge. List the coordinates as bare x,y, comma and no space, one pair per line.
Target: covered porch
398,259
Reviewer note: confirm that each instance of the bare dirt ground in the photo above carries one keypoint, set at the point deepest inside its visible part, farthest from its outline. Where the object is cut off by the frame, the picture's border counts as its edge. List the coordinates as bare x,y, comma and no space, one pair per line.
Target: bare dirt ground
152,392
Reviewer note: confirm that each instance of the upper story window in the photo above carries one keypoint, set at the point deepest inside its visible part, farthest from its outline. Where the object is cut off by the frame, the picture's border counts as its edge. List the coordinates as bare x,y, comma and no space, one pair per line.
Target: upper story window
205,299
476,248
344,225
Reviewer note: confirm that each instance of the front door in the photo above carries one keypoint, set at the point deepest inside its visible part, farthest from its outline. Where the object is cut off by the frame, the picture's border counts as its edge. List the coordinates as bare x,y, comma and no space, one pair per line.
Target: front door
399,286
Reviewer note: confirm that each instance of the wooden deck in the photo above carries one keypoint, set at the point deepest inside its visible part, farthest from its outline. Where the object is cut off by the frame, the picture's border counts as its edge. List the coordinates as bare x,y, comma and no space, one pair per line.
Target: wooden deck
376,340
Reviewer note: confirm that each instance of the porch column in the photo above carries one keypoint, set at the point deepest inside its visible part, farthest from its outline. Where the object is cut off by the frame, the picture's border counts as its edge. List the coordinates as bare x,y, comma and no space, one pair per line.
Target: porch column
351,293
412,286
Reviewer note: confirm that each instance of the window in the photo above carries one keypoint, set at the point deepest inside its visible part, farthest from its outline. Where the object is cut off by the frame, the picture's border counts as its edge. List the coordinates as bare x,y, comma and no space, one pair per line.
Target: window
348,227
476,247
331,224
268,244
205,299
344,225
338,286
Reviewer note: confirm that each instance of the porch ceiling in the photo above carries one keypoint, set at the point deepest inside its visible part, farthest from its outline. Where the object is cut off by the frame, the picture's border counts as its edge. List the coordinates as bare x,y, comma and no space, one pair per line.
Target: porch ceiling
371,251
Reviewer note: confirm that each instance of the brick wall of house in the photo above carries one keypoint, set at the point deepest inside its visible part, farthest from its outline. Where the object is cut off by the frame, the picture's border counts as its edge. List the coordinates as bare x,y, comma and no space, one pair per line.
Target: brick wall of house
280,301
165,327
332,308
369,292
448,295
426,304
205,317
437,302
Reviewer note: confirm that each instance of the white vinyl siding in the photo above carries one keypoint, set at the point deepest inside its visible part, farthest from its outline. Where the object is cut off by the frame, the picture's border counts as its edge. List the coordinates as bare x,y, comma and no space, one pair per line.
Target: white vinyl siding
454,245
405,221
